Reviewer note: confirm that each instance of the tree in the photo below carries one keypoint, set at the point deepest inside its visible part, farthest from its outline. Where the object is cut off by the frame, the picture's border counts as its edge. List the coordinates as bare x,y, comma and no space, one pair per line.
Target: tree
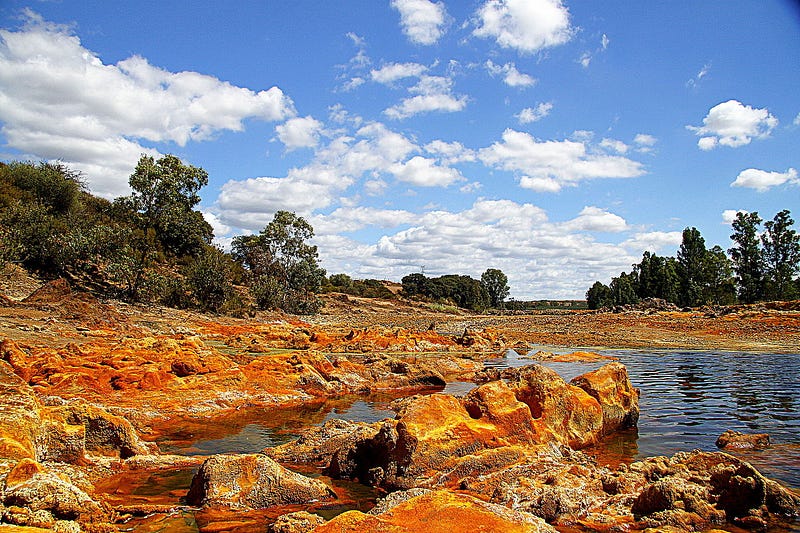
164,194
691,267
623,289
719,288
781,255
414,284
746,257
283,267
599,295
496,285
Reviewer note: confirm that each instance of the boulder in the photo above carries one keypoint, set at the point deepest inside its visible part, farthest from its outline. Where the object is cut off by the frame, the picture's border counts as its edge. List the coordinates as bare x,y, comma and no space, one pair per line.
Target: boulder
20,418
742,441
618,398
438,512
297,522
252,482
319,444
562,413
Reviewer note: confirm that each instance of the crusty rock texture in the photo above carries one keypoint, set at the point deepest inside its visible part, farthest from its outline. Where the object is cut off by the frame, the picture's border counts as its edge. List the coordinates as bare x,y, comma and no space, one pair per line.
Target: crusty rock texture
252,481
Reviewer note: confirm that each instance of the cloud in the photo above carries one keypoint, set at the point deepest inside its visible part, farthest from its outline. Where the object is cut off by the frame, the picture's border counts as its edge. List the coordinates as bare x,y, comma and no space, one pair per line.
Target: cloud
450,152
534,114
551,165
729,215
425,172
299,132
604,41
392,72
422,21
596,219
58,100
654,241
542,258
350,219
797,120
585,59
511,76
525,25
733,124
433,93
644,142
762,180
693,82
614,145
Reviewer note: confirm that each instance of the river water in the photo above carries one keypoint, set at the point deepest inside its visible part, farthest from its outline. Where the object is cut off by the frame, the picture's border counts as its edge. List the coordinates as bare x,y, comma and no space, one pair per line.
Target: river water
687,400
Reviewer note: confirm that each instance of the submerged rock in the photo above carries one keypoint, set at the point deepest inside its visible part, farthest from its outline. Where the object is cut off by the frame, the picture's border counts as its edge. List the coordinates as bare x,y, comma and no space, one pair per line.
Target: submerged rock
742,441
252,482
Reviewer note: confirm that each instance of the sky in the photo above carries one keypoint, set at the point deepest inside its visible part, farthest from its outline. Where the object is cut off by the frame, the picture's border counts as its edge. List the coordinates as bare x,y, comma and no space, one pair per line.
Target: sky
553,140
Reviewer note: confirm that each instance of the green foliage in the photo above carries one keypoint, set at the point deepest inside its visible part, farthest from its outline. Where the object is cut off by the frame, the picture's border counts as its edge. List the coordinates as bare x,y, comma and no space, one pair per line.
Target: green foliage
463,291
599,296
691,267
720,287
496,285
781,255
208,278
283,268
623,289
365,288
52,185
746,257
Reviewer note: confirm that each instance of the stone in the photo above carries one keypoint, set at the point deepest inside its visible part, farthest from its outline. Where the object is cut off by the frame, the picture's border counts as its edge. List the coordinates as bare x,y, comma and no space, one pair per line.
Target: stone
742,441
20,418
252,482
438,512
297,522
618,398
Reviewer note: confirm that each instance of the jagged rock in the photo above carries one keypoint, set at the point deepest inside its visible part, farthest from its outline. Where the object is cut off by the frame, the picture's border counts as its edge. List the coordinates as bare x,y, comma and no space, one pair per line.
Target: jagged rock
252,481
297,522
19,416
612,388
319,444
742,441
438,512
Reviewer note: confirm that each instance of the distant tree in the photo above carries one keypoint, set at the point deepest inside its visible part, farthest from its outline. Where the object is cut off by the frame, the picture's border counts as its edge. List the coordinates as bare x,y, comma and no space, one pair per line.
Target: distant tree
720,287
340,282
414,284
496,285
747,258
208,278
599,295
781,255
623,289
284,271
691,267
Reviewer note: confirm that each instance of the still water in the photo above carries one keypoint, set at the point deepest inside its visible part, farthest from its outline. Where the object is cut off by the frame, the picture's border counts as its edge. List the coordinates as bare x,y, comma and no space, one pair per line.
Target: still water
687,400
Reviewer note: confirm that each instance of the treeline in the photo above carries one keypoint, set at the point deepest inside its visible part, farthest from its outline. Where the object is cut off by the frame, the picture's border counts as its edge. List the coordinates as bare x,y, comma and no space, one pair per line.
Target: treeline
462,291
152,246
761,265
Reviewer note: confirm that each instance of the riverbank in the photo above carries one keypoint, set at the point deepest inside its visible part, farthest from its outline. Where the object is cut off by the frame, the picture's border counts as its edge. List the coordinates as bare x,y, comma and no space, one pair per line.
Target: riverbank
101,393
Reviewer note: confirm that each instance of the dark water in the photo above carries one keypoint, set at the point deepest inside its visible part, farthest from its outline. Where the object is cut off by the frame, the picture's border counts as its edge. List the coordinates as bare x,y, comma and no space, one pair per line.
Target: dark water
688,399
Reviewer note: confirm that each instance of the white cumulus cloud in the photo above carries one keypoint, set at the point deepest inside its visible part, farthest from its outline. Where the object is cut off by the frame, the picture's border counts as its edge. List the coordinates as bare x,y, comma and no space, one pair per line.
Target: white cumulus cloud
299,132
534,114
422,21
733,124
596,219
511,76
525,25
551,165
763,180
59,100
432,93
392,72
425,172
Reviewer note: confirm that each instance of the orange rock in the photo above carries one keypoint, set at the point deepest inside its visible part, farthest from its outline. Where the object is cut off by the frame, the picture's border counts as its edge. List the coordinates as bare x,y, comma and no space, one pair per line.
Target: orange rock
563,413
19,416
22,472
438,512
612,388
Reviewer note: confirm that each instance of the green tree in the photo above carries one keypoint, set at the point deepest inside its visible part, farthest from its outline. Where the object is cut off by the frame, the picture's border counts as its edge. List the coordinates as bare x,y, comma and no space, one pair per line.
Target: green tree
720,287
283,267
781,254
414,285
164,194
208,278
746,256
691,267
599,295
623,289
496,285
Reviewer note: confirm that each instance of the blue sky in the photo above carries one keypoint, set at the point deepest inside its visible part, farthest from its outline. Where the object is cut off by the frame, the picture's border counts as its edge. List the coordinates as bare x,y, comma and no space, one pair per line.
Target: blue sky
555,140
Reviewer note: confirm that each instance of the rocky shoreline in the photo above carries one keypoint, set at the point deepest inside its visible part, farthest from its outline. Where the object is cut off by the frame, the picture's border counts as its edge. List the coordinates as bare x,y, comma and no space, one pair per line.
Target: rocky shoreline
87,389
